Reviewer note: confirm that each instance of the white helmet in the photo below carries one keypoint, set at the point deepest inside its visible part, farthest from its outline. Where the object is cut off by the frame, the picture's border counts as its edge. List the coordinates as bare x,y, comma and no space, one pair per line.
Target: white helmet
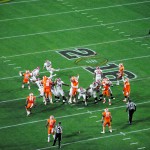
106,109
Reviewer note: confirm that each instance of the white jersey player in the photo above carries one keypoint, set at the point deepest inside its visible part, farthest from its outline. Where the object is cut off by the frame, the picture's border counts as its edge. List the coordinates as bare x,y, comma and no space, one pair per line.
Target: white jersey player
40,86
59,91
35,73
92,90
98,74
82,93
48,66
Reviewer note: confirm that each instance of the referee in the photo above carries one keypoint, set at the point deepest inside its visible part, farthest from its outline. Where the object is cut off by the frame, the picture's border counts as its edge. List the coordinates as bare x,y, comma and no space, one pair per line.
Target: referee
131,108
58,135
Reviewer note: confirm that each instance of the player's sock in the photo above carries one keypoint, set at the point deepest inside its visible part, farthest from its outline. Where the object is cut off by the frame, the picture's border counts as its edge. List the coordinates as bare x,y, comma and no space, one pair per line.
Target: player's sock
54,136
51,101
117,82
109,102
48,138
104,101
22,85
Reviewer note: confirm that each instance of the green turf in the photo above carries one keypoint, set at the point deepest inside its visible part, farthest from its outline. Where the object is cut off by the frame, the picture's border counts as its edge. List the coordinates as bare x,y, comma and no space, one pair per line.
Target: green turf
33,31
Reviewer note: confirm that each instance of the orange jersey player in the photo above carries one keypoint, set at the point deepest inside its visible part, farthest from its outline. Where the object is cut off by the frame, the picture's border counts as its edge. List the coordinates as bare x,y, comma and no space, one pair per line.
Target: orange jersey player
106,91
26,77
47,90
51,125
126,89
30,102
106,119
74,88
120,73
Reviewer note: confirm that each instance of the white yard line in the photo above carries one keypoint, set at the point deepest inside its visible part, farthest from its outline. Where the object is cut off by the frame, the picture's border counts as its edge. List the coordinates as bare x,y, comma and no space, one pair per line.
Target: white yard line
134,143
96,138
93,117
141,148
11,64
126,139
10,3
70,29
72,115
80,108
6,61
107,42
60,13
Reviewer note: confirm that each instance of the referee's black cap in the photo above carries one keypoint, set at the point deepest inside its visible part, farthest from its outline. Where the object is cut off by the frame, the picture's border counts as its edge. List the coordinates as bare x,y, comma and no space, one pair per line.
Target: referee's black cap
59,122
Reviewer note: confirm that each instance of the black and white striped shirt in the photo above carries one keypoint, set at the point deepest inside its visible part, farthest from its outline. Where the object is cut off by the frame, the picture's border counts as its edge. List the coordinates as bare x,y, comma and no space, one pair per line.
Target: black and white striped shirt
58,129
131,106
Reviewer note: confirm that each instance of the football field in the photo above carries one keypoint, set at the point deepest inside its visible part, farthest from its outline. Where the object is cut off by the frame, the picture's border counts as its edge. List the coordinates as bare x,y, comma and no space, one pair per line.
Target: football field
76,36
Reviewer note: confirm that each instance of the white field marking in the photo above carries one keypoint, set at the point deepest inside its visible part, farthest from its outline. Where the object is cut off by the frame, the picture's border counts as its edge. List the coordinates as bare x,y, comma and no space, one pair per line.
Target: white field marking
93,117
87,70
6,61
107,42
3,57
116,30
17,67
144,44
148,47
98,121
12,100
69,11
133,143
72,115
96,138
132,58
80,108
69,5
126,139
99,21
121,32
110,27
102,24
122,133
84,13
69,29
89,16
60,13
130,38
138,41
94,18
141,148
10,3
127,35
65,3
89,112
11,64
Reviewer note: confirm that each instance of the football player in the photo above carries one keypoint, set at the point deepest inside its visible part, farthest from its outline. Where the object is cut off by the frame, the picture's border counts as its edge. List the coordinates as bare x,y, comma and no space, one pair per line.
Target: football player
34,74
50,124
98,74
30,102
74,87
26,77
120,73
59,91
82,93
